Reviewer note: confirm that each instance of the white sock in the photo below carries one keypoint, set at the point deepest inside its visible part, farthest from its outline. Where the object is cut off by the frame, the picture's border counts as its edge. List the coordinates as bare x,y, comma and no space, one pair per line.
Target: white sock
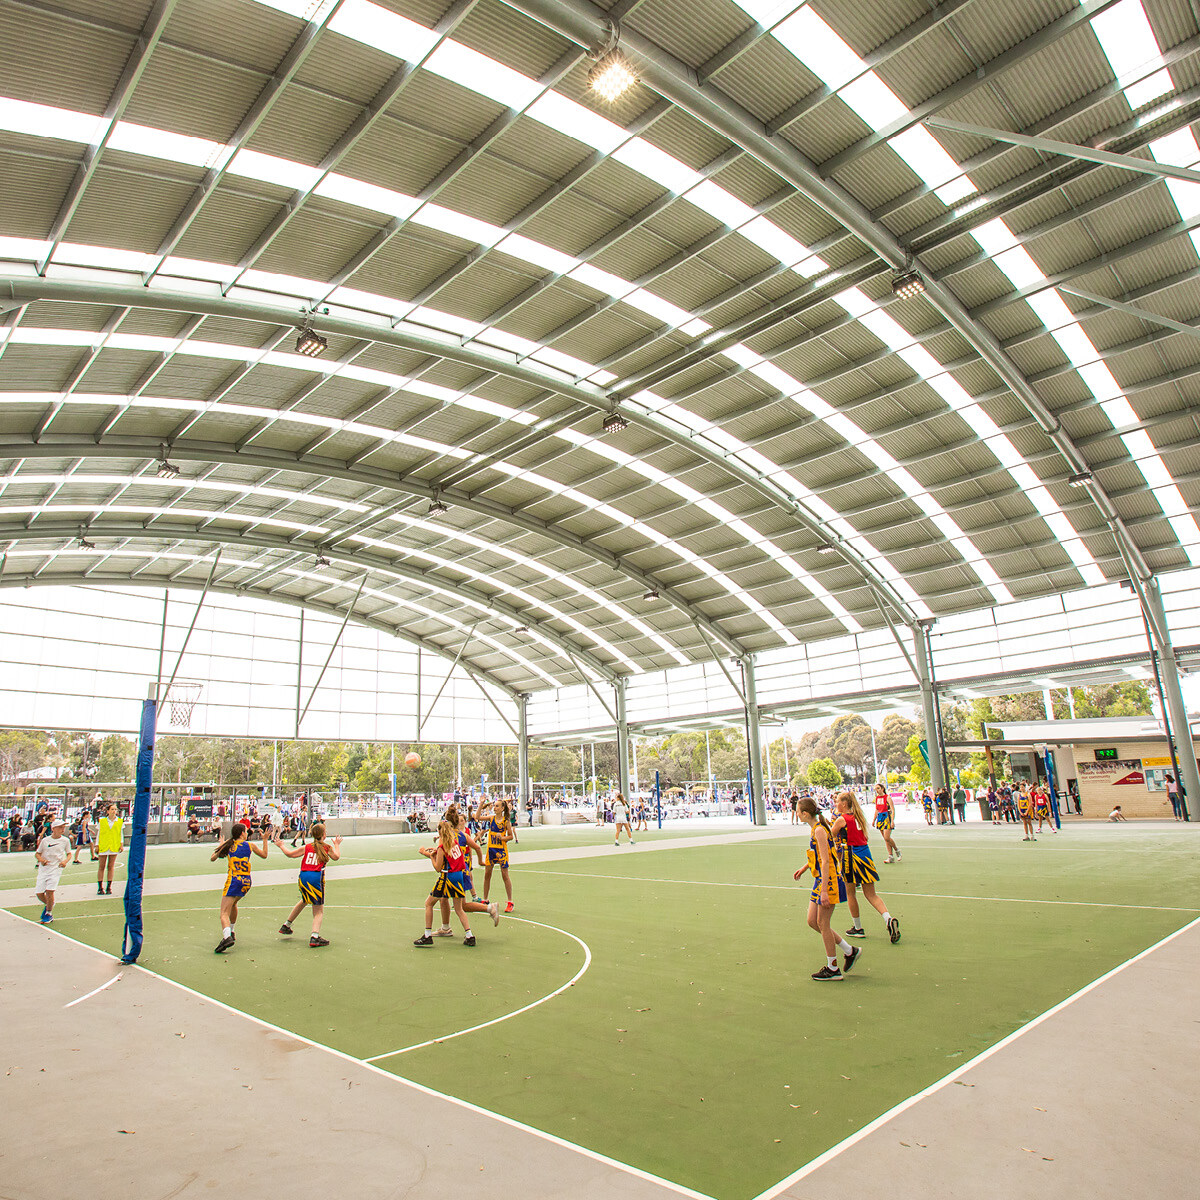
428,931
857,922
227,932
832,963
844,946
887,916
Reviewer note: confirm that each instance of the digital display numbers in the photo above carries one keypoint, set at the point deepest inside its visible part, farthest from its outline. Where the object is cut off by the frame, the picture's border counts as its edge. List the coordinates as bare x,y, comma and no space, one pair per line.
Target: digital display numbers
1111,752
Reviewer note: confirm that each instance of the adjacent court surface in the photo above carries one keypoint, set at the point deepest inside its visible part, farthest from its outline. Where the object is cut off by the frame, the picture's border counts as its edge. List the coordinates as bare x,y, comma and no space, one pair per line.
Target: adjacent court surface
654,1004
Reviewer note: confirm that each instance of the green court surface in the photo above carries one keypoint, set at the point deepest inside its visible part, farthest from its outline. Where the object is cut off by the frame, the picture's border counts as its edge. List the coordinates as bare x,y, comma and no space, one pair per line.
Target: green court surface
694,1046
193,858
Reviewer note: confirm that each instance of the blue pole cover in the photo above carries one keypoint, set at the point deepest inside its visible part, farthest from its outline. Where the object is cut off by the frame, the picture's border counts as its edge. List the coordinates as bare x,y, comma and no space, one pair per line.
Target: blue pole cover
131,941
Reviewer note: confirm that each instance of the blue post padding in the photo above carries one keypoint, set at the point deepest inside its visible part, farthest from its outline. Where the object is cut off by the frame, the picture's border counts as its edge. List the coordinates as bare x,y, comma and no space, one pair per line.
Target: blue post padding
658,798
131,941
1049,761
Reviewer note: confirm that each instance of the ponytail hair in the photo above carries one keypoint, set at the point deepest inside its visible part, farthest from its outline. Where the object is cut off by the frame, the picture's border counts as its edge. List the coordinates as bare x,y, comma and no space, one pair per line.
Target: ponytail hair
235,835
446,837
852,800
320,845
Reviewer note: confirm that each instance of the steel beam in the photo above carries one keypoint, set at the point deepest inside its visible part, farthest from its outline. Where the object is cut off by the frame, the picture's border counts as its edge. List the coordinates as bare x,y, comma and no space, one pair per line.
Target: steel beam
1144,166
135,66
582,22
50,530
24,289
11,579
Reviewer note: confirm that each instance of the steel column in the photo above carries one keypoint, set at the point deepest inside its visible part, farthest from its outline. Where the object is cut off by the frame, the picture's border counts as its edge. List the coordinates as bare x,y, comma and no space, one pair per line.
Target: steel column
524,797
757,801
622,738
1156,618
928,707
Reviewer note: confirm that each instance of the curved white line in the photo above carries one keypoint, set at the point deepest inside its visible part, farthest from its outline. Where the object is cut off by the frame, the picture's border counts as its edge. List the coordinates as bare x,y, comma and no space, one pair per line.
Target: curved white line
587,962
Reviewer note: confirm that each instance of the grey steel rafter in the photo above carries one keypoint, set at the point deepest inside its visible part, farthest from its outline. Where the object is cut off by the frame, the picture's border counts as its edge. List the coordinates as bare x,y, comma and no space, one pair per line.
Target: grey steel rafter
375,563
325,468
363,124
586,394
1128,162
12,579
1076,17
579,20
259,110
135,66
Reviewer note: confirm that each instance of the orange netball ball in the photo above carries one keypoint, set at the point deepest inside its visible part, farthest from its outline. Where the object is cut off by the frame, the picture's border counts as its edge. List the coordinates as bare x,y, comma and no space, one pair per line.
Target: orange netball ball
412,759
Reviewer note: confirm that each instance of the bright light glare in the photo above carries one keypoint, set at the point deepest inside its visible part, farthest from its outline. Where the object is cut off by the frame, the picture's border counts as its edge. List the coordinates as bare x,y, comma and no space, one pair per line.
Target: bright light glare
611,77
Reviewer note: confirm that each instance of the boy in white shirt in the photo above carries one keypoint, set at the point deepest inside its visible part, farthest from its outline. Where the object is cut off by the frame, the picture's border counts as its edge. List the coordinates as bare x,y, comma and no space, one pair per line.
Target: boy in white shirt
52,852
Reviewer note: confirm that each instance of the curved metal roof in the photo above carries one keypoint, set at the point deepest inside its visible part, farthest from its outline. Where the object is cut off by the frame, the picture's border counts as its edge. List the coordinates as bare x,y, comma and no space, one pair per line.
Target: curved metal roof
504,260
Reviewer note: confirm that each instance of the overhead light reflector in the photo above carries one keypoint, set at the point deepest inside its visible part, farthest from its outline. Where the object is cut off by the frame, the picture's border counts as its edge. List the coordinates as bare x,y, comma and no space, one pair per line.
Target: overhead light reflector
311,344
650,594
611,74
906,284
1079,479
437,508
614,422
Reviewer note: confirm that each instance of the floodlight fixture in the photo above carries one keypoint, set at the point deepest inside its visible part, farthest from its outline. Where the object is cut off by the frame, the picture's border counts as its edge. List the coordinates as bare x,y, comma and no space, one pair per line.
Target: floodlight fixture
650,594
166,468
825,548
906,284
611,74
322,561
1079,478
84,544
614,422
308,341
437,508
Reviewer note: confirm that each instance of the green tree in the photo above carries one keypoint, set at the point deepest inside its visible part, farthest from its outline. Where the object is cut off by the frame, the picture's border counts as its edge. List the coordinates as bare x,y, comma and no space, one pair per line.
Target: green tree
891,742
823,772
115,764
22,751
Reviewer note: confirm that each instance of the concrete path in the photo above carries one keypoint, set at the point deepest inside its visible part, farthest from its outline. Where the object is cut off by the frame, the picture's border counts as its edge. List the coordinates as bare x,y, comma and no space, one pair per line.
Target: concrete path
1097,1100
147,1090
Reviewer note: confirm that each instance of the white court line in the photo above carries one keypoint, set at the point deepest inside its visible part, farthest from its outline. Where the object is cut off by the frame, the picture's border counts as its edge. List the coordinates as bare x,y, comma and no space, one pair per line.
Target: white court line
937,1086
95,990
786,887
446,1037
587,962
512,1123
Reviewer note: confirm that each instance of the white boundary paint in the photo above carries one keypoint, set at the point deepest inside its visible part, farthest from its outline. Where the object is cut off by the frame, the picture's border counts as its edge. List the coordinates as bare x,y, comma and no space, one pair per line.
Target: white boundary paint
541,1134
81,999
445,1037
958,1072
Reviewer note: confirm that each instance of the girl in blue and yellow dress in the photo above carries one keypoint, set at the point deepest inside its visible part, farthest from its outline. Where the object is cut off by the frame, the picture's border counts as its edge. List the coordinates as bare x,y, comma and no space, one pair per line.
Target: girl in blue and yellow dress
927,805
858,867
236,848
499,831
828,889
885,821
448,859
469,846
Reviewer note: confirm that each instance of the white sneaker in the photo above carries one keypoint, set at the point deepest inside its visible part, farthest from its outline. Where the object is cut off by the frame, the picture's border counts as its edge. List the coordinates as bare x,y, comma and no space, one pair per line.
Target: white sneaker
447,932
494,912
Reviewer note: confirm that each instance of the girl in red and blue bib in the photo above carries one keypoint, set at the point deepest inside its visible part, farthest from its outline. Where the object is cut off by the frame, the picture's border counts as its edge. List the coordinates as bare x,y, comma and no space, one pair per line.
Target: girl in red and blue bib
313,858
449,860
858,867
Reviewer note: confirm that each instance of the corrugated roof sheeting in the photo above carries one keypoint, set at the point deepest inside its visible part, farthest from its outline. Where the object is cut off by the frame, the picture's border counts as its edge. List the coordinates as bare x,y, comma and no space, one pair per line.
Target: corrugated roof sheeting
430,124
